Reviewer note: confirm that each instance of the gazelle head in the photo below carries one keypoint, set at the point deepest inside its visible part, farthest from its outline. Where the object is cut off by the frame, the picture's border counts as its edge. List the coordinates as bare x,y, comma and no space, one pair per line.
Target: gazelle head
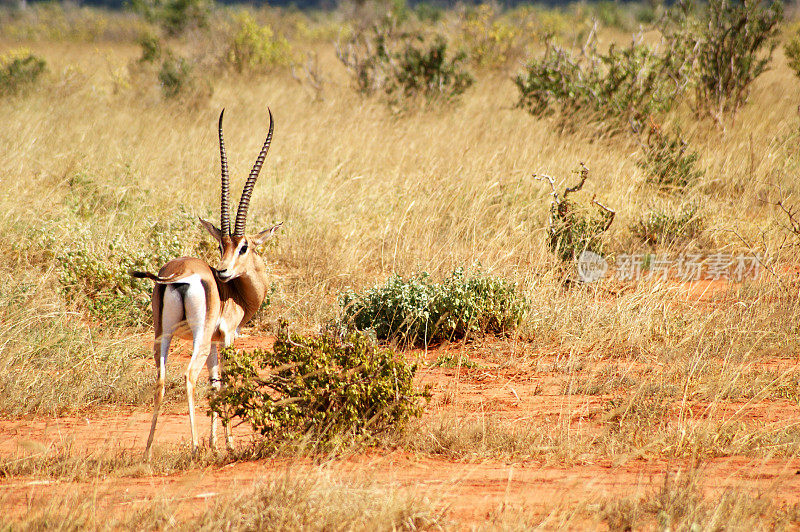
236,248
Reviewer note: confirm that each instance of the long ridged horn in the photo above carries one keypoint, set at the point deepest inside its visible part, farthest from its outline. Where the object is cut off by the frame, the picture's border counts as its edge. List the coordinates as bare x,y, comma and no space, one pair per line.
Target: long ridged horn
241,213
225,214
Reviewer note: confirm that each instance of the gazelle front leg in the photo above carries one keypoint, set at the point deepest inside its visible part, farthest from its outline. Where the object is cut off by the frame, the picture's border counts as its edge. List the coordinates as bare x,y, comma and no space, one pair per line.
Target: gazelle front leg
212,363
225,424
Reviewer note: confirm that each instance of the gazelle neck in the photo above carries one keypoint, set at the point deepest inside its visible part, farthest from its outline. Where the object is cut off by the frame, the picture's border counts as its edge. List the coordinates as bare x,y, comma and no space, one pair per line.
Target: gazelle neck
250,289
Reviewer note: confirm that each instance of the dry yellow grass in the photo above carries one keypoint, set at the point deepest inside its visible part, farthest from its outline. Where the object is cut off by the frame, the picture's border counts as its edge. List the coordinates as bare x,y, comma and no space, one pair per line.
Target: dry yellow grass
365,193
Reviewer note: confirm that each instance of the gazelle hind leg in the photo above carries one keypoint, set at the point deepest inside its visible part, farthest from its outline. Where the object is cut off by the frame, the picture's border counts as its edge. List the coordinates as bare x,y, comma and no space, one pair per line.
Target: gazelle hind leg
199,348
159,393
171,315
194,303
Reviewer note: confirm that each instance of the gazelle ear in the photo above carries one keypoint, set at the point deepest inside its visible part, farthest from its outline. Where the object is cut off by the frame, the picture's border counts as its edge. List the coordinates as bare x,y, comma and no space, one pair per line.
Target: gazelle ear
216,233
265,235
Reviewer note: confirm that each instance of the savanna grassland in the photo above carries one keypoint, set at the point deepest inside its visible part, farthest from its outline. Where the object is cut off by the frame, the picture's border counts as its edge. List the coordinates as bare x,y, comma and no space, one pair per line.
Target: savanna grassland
621,404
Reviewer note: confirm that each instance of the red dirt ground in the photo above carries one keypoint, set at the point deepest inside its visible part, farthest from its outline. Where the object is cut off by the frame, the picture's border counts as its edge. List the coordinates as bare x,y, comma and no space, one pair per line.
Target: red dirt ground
470,490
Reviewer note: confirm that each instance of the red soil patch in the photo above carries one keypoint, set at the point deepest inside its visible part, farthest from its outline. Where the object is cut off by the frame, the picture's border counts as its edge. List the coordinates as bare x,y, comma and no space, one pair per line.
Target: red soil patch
470,490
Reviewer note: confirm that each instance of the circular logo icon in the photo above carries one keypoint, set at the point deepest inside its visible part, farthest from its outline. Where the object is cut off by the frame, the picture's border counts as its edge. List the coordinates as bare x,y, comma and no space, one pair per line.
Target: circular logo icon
591,266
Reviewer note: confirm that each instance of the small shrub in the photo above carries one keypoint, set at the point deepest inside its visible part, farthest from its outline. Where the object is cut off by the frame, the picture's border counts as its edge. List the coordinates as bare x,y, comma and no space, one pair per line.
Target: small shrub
19,69
151,48
428,12
174,75
177,76
404,66
490,41
572,230
667,162
367,57
615,89
792,51
426,71
665,226
174,16
320,387
449,361
97,280
178,80
256,48
729,45
419,311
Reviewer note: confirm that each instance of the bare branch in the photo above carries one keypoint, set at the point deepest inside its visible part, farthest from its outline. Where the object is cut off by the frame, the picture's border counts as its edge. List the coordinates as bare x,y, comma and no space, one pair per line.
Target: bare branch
549,179
610,213
584,176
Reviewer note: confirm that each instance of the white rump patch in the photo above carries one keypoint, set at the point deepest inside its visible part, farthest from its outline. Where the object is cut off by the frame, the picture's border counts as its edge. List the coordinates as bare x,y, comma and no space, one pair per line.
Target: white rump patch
190,304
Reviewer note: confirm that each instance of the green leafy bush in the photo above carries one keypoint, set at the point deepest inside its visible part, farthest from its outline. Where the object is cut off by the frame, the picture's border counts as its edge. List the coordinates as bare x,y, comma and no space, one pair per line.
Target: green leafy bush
151,48
175,75
404,66
616,89
19,69
367,59
572,229
792,51
419,311
729,45
319,387
178,80
667,162
256,48
174,16
98,280
426,71
664,226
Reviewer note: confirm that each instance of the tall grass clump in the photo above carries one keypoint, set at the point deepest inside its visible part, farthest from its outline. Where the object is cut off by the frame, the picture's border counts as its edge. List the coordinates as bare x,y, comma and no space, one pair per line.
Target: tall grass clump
319,387
53,362
669,225
418,310
667,160
318,502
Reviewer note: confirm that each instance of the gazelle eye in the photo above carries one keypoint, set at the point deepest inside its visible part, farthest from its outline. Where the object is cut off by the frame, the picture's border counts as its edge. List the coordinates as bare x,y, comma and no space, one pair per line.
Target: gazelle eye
243,250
